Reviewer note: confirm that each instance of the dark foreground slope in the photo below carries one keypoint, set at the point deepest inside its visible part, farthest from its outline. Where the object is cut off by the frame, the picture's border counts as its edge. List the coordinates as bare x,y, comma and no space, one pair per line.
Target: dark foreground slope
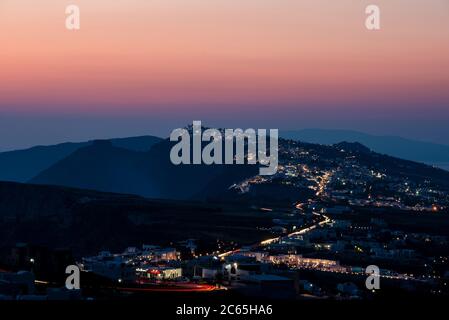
89,221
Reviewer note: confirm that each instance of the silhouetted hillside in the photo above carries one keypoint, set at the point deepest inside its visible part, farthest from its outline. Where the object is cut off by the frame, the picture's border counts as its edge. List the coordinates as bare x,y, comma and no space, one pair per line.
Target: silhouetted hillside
190,181
143,143
22,165
100,166
352,146
151,174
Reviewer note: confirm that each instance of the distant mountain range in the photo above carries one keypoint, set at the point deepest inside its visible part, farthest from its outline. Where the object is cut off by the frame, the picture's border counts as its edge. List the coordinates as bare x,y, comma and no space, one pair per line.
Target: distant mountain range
141,165
426,152
23,165
105,167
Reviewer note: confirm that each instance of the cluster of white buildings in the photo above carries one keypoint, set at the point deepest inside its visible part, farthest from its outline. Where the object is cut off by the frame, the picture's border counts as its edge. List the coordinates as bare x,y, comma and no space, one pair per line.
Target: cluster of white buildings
150,262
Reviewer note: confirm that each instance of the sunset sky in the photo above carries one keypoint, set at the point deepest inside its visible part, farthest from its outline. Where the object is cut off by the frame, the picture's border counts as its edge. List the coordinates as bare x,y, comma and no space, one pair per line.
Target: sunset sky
149,66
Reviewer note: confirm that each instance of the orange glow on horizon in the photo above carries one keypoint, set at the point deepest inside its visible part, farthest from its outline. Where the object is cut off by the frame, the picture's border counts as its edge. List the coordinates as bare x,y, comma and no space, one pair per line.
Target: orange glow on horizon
151,54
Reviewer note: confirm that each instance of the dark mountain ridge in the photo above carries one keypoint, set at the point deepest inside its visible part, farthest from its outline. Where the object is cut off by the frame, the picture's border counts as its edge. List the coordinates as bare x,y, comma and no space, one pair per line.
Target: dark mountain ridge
23,165
151,174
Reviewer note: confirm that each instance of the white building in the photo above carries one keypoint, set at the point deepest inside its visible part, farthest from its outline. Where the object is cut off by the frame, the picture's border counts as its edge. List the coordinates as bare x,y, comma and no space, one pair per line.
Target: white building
159,273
